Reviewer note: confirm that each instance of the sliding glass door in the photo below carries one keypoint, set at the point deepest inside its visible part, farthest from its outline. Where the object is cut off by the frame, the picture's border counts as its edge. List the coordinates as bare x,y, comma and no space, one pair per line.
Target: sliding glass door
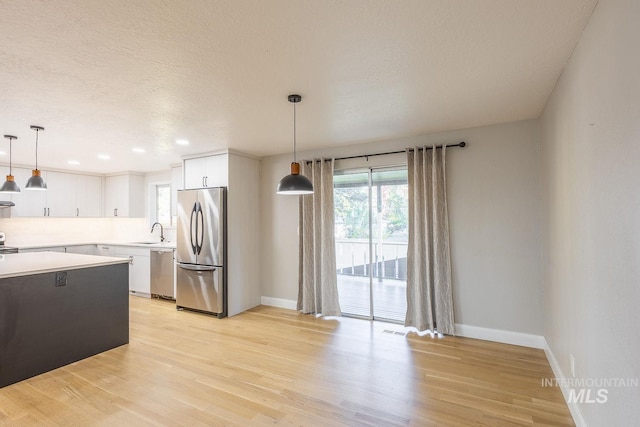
371,242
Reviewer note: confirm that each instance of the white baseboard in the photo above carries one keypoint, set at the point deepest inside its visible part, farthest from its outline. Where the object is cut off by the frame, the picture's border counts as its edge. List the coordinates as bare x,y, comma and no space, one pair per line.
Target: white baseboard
557,372
498,335
279,302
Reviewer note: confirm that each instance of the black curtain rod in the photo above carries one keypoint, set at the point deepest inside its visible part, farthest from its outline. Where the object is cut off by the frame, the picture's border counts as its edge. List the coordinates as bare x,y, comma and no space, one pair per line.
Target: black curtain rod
460,144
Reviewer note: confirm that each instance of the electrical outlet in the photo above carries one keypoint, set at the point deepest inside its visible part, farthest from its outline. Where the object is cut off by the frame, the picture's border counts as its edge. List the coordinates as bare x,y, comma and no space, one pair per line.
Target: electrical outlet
572,363
61,278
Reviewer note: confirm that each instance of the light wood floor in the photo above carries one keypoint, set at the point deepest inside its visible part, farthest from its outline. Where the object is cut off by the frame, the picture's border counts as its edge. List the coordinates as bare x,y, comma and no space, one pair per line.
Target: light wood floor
389,297
275,366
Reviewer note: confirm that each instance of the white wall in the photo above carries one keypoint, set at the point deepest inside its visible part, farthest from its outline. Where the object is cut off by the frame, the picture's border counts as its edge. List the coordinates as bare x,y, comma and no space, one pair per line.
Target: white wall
493,192
590,132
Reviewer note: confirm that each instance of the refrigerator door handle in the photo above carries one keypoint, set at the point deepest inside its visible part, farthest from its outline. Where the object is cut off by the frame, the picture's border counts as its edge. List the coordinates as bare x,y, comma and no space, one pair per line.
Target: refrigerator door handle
200,216
193,212
195,267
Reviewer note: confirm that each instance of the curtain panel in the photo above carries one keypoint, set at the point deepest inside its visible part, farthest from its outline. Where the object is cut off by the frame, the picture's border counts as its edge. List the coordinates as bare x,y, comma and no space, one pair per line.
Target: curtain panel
429,296
317,280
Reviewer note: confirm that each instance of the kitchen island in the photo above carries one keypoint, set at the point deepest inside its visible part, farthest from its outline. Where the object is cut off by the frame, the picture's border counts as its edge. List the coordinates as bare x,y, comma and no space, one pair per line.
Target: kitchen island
58,308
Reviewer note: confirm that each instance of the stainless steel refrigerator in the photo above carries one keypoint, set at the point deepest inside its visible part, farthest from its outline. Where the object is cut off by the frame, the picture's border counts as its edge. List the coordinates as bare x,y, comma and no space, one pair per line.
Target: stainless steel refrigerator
201,251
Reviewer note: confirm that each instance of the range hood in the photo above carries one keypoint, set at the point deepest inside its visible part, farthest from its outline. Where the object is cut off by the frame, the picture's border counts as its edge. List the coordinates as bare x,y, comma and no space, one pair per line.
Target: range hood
6,204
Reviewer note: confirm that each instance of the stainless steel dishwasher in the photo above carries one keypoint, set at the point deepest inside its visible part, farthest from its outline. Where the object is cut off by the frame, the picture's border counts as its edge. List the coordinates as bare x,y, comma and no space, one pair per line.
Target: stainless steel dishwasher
162,262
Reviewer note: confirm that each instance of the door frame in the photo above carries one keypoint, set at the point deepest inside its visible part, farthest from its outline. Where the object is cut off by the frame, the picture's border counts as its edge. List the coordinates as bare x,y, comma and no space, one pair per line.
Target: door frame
369,171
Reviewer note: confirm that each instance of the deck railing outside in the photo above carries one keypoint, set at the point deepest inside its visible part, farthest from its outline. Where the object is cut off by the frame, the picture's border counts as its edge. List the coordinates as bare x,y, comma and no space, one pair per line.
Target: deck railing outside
389,260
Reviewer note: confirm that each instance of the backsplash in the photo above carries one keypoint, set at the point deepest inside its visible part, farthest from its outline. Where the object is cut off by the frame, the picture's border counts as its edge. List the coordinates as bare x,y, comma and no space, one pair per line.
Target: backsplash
34,231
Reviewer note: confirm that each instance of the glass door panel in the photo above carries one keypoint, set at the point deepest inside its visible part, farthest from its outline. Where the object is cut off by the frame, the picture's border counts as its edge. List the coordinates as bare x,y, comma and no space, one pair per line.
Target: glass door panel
389,240
371,209
352,227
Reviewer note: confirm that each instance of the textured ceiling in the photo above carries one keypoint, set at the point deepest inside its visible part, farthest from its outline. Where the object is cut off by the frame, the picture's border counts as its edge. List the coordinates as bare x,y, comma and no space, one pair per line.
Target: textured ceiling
105,76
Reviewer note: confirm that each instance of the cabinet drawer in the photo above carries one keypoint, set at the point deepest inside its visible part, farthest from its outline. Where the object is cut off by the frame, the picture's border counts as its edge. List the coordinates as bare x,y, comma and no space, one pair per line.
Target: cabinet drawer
130,250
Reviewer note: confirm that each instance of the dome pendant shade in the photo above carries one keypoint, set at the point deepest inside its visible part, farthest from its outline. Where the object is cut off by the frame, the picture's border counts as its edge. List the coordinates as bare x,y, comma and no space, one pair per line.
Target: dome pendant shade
295,183
36,182
10,185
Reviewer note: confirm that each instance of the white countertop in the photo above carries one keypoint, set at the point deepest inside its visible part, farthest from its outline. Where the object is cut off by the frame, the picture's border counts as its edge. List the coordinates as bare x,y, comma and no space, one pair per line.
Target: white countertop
25,264
153,245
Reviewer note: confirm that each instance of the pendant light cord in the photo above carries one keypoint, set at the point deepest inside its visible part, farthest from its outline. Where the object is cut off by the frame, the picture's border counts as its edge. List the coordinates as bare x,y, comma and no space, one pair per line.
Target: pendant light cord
10,163
294,132
37,132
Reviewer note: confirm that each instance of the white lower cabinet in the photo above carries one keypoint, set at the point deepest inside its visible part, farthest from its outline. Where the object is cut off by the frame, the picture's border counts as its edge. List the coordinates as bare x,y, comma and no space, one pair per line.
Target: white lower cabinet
44,249
105,250
82,249
76,249
139,268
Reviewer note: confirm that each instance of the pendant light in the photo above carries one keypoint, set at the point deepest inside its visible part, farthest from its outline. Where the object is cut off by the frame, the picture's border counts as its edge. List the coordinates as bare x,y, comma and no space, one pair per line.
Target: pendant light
294,183
36,182
10,185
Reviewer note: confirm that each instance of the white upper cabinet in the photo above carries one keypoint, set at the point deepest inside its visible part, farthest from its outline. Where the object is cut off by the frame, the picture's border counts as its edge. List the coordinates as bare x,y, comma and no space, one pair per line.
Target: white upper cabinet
28,203
208,171
115,195
194,173
61,194
88,196
124,196
67,195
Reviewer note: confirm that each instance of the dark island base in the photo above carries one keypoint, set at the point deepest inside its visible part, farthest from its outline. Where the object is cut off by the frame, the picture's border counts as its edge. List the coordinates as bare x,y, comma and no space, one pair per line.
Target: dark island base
46,324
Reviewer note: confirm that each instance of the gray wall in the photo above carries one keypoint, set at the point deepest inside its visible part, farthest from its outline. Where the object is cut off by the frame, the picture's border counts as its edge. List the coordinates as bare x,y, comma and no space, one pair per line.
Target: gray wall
494,205
590,132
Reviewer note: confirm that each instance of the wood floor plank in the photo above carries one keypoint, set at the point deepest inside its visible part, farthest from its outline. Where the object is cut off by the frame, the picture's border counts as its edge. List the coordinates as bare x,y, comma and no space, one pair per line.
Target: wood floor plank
273,366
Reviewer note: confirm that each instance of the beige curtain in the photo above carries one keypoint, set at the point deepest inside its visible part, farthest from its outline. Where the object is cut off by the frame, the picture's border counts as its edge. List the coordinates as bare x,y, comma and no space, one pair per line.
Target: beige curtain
317,281
429,298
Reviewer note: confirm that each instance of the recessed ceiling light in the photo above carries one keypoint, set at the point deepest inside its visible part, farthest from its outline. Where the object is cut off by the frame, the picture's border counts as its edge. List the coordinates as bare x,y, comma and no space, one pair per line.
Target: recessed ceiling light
137,150
73,162
182,142
104,156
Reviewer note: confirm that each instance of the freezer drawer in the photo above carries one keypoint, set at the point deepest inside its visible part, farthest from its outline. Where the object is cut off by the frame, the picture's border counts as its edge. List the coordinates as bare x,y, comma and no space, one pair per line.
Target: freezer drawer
201,288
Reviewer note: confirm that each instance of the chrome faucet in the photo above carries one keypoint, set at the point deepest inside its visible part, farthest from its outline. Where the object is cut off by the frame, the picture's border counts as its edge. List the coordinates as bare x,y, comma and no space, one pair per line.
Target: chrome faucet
161,230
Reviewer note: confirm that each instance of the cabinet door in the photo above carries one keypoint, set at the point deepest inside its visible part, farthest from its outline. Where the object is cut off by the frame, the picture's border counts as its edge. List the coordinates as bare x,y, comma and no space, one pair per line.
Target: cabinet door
140,275
88,196
82,249
44,249
216,171
124,196
139,268
61,194
29,203
105,250
194,172
135,197
116,195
